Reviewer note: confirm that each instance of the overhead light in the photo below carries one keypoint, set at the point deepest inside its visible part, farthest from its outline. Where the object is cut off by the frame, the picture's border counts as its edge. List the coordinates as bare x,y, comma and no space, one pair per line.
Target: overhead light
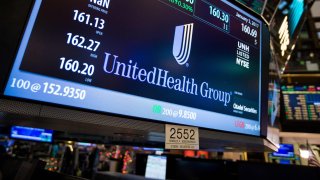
71,148
311,54
284,36
228,148
159,153
282,5
304,154
304,151
288,58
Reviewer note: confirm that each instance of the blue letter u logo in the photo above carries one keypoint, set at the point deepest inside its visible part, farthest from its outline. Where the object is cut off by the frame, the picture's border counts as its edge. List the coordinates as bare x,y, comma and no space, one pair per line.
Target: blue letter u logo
182,43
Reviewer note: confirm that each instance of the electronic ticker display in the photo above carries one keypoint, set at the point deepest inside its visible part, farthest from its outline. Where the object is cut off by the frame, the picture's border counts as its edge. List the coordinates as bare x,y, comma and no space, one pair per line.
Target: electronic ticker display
192,62
301,102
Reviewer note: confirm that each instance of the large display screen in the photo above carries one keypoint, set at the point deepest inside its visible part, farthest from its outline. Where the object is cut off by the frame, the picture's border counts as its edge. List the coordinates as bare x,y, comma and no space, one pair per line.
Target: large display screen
189,62
301,102
34,134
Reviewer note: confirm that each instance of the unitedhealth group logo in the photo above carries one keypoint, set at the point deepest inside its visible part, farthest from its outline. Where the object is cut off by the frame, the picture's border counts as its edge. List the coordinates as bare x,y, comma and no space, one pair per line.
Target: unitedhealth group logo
182,43
130,69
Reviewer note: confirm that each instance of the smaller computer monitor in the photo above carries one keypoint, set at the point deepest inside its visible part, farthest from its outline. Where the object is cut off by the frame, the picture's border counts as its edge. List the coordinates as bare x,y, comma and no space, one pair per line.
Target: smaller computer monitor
156,167
33,134
285,150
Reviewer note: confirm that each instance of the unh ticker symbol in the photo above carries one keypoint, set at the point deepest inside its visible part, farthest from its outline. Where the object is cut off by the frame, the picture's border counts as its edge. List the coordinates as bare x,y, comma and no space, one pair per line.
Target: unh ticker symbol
182,43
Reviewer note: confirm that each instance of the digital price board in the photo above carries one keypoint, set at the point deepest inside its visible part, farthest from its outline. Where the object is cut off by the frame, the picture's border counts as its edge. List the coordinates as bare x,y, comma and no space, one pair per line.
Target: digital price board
191,62
301,102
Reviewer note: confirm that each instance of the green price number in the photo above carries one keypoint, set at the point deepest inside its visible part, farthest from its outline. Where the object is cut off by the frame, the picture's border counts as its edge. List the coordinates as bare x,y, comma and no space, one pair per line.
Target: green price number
185,4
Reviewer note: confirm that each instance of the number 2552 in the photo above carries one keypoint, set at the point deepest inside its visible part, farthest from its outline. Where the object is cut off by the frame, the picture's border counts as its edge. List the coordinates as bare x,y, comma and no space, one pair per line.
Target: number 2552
180,133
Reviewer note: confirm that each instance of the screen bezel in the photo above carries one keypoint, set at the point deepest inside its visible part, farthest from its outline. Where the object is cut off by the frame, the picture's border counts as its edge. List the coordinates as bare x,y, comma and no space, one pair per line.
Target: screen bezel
7,63
265,56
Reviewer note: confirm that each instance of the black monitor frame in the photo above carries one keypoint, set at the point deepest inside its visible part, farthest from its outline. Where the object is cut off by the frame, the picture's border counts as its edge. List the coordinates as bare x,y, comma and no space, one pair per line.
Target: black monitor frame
9,60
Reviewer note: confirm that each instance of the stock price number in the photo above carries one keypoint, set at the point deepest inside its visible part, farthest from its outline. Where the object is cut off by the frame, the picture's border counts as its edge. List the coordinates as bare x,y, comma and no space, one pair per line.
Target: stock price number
74,66
81,42
248,30
83,17
215,12
187,5
49,88
220,15
66,91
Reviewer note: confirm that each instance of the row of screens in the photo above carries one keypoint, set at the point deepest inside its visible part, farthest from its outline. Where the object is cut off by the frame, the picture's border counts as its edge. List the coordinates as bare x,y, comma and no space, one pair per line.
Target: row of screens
201,67
156,167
